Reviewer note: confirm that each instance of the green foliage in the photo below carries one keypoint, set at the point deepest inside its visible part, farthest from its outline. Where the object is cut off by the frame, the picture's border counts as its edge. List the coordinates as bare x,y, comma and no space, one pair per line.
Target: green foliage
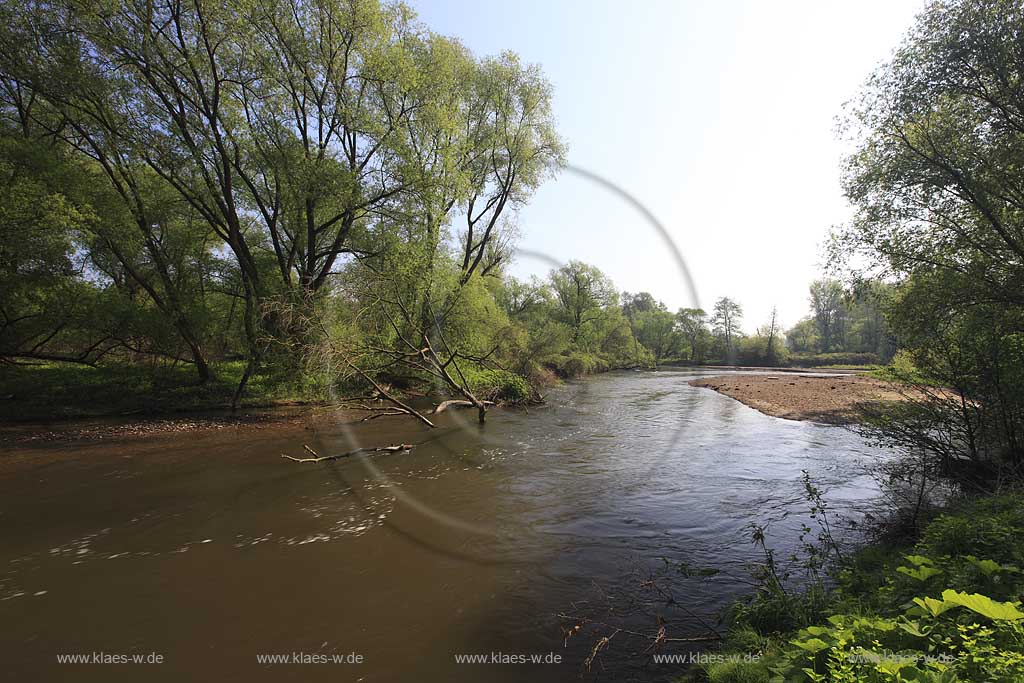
946,610
940,643
578,364
584,295
846,321
753,350
499,386
656,331
692,324
738,672
61,390
933,183
725,322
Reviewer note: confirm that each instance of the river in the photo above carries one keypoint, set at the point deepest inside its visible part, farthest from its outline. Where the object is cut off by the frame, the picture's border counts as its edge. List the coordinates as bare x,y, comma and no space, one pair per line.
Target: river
210,551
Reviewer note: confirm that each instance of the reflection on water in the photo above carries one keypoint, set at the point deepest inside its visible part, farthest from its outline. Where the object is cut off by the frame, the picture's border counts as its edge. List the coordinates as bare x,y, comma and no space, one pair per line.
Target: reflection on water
210,549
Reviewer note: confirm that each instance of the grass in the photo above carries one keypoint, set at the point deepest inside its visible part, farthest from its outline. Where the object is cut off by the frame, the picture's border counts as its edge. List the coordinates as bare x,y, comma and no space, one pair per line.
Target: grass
51,391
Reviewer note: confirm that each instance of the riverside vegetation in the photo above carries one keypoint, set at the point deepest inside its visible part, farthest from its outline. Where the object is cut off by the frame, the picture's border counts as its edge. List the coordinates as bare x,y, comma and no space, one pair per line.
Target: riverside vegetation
935,185
256,202
244,202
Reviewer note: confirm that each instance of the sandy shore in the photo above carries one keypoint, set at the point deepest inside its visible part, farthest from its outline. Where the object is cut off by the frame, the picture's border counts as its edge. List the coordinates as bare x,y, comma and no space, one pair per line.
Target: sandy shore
98,429
832,400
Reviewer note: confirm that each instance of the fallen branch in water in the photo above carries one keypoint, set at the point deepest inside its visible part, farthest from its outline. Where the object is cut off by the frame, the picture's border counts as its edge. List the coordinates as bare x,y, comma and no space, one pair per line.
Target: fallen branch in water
380,390
658,640
658,637
458,403
379,411
318,458
384,413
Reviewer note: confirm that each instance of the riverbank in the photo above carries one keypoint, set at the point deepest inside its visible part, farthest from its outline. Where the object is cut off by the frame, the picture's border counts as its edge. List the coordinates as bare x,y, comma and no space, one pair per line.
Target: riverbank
59,392
833,399
98,429
942,608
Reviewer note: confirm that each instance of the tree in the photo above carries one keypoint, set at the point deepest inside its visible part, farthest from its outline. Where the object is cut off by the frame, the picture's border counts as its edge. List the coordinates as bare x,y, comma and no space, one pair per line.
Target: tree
299,136
868,329
693,324
827,305
280,125
656,330
803,337
632,306
725,320
641,302
935,182
582,292
770,334
512,147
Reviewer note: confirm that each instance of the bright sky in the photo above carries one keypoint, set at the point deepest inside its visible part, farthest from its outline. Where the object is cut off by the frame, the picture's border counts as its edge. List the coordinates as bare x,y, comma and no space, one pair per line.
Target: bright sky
718,116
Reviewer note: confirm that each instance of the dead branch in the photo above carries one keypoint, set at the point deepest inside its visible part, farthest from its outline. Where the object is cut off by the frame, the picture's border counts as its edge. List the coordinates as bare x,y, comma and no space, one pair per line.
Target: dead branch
658,637
379,411
600,645
384,413
318,458
457,403
442,370
388,396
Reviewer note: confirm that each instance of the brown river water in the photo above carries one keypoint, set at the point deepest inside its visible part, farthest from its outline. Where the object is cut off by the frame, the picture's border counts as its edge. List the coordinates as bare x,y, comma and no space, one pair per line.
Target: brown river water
212,552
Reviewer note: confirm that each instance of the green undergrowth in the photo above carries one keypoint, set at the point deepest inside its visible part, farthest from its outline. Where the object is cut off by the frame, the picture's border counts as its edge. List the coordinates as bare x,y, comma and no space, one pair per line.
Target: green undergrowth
942,610
51,391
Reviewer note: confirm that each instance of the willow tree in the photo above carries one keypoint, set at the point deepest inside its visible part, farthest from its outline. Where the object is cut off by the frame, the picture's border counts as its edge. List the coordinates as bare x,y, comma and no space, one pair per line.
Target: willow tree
134,230
302,136
281,125
583,293
481,157
478,148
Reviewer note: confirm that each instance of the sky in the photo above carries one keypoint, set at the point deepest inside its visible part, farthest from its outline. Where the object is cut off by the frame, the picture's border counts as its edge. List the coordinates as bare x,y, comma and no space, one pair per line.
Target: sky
718,117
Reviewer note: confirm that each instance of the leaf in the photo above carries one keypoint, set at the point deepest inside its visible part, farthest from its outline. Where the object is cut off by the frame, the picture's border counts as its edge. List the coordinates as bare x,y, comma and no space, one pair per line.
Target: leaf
985,606
989,567
813,645
919,573
918,560
814,676
889,666
914,629
932,606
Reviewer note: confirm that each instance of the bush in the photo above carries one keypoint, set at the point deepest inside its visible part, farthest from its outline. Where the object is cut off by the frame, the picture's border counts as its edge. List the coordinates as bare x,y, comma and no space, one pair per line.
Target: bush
945,610
578,364
499,385
754,351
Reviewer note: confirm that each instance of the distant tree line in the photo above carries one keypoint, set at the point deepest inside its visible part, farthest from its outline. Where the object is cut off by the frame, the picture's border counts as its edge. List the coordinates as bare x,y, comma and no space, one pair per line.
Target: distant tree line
845,324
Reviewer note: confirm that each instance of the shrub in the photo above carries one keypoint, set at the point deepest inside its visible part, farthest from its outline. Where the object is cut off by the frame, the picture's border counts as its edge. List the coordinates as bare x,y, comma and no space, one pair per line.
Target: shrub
578,364
940,612
499,385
